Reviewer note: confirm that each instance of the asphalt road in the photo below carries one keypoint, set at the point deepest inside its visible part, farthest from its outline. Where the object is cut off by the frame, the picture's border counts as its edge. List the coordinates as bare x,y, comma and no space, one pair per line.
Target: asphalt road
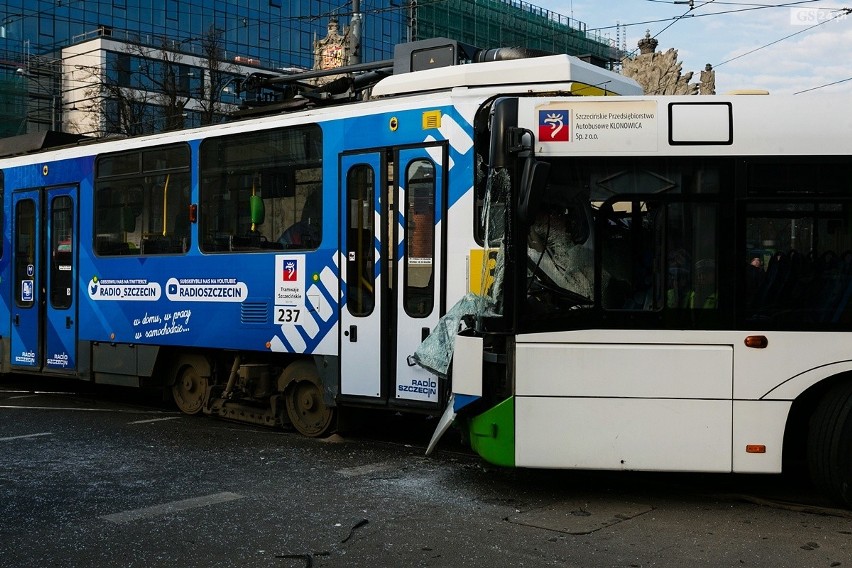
113,478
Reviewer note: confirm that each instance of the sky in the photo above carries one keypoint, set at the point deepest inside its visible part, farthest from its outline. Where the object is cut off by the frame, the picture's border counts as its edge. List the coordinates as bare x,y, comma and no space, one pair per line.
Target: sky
746,41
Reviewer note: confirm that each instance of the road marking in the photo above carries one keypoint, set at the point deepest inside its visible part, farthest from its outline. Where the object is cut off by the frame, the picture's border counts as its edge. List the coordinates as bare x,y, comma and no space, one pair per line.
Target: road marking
368,468
117,410
154,420
37,392
174,506
26,436
21,396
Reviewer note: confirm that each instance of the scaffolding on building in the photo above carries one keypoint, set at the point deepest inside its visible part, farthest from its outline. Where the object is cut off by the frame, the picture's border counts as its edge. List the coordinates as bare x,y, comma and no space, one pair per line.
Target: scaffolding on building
507,23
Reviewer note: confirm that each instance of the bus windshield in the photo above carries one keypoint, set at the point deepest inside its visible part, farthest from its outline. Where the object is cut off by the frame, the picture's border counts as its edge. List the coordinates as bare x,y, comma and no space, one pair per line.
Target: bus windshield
624,234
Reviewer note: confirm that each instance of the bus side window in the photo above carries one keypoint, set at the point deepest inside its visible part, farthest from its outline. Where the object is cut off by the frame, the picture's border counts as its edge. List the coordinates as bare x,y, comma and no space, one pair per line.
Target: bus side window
784,286
691,251
658,255
627,256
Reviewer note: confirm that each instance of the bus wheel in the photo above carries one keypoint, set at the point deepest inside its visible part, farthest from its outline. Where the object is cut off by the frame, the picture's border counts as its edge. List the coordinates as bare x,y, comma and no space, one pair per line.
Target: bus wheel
830,444
189,390
304,402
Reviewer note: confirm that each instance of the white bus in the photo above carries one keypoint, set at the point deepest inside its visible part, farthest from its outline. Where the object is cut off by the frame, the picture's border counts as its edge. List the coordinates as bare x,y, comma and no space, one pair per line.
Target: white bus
670,287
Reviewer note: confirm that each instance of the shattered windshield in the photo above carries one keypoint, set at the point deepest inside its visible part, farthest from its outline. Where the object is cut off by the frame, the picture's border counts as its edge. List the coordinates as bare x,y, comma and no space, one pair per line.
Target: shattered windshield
560,254
494,222
623,234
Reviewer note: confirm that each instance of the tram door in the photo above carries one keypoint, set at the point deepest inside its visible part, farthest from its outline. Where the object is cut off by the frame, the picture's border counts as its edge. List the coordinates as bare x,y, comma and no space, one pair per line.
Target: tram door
418,280
44,269
362,178
391,271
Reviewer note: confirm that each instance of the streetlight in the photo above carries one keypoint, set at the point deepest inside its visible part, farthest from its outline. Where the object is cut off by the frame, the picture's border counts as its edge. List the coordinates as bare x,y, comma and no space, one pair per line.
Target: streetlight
40,93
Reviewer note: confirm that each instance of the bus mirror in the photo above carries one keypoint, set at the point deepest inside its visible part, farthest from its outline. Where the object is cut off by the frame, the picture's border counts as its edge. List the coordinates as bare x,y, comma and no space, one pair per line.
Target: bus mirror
533,184
257,210
503,118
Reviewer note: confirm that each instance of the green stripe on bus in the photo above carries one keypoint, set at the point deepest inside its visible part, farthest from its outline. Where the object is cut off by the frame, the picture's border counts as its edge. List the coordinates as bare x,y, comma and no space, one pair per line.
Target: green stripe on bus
492,434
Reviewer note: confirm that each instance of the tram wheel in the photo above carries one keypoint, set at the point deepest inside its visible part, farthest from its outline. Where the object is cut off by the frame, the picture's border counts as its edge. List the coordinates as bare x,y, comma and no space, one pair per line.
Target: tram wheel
189,390
303,400
830,444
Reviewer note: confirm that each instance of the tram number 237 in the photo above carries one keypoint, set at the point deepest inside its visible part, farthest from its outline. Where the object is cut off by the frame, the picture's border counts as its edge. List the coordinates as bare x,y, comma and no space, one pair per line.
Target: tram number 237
289,315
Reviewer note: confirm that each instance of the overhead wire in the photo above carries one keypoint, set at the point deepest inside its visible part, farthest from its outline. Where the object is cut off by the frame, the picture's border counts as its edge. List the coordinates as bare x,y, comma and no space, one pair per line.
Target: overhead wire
823,86
842,12
751,7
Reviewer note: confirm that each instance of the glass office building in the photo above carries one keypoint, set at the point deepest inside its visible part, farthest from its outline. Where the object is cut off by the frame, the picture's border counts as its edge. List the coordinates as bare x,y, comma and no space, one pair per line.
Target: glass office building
270,34
277,33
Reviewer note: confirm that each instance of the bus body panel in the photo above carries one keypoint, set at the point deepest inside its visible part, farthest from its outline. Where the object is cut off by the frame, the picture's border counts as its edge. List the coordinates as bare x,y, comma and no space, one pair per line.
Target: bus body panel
789,364
620,370
759,423
624,406
623,433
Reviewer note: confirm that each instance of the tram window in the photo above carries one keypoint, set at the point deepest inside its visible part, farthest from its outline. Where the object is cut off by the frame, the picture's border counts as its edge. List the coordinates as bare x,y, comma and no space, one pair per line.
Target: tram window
25,251
419,292
142,202
360,238
262,191
61,241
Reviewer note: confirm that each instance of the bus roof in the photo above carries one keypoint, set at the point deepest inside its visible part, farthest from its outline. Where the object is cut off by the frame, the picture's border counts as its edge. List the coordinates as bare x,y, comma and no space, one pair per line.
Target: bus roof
543,71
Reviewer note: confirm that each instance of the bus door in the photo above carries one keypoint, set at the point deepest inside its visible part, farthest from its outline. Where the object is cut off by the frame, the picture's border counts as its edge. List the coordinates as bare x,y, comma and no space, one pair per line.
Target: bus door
418,275
44,244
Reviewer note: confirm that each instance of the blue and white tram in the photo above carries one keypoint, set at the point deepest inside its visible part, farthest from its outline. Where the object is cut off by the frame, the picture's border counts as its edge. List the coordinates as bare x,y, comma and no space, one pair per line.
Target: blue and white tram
268,270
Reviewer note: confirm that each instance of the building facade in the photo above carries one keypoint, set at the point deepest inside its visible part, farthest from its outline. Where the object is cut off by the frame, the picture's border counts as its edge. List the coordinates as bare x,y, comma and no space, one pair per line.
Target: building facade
508,23
39,41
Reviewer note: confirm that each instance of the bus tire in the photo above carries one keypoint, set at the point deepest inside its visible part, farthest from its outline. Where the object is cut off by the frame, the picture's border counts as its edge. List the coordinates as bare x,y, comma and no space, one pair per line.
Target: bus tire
830,444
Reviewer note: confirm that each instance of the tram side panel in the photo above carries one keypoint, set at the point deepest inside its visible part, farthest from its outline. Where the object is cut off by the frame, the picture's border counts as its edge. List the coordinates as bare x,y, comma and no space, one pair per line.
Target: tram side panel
262,299
5,279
